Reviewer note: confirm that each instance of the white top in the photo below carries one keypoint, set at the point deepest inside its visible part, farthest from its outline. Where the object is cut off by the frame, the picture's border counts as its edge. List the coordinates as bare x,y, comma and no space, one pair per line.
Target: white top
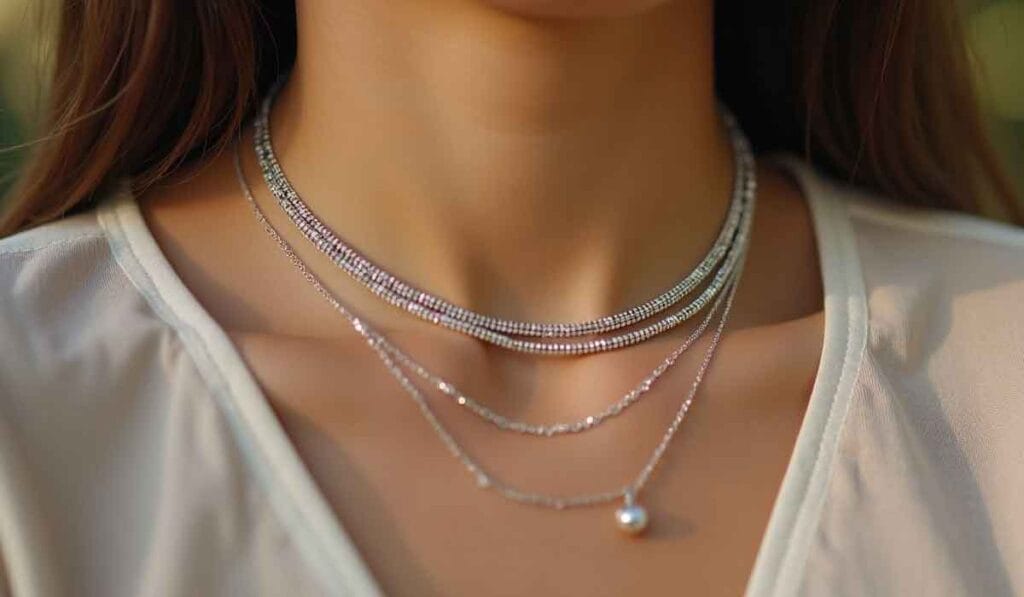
139,457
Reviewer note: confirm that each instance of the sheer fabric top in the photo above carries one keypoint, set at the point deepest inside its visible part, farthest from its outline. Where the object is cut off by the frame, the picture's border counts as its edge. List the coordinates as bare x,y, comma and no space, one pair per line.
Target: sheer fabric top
139,457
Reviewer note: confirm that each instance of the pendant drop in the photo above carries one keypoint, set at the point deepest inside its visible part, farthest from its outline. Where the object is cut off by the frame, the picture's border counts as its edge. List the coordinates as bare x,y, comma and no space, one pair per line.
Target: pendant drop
631,518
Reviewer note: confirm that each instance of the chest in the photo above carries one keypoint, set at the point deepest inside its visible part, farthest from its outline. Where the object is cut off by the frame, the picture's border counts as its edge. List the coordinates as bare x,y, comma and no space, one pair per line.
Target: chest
424,527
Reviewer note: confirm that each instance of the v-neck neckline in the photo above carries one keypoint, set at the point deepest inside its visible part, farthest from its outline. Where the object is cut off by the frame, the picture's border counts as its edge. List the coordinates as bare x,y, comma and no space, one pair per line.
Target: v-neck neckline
304,509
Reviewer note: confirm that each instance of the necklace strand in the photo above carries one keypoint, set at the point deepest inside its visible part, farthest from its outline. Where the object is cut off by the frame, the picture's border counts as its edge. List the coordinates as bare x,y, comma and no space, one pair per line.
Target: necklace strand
630,517
496,331
584,423
504,423
553,429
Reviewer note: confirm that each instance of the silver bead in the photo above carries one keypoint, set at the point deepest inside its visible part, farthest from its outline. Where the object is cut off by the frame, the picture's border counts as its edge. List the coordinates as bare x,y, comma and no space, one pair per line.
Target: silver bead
632,519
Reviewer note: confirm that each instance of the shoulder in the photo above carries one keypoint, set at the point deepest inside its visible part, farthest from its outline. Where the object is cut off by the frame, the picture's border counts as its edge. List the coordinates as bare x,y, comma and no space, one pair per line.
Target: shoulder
44,270
66,307
963,250
47,270
961,261
934,420
919,251
947,287
81,348
943,292
944,289
62,232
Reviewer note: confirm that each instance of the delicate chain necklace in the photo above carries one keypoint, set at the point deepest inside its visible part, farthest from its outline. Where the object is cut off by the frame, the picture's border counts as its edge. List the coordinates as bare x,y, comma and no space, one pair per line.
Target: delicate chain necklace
545,430
724,255
578,426
631,517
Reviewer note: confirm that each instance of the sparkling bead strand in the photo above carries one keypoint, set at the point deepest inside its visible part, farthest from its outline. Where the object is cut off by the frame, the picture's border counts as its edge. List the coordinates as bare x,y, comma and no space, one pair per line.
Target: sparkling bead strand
602,344
369,274
550,430
585,423
482,327
484,479
631,517
381,283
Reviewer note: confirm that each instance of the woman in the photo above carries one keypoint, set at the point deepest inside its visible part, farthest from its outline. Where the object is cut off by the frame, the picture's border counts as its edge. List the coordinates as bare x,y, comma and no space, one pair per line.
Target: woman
195,399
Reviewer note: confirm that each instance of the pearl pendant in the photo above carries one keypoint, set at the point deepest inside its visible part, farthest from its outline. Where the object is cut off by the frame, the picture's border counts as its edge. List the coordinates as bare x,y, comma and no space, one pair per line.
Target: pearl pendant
631,518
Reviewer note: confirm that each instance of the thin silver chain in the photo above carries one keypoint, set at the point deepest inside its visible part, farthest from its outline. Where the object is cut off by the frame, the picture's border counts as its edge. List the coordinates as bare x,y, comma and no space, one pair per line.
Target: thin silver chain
553,429
580,425
484,479
731,241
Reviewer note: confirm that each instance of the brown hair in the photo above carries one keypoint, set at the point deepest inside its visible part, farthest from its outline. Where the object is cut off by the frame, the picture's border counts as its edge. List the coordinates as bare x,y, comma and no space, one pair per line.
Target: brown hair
878,92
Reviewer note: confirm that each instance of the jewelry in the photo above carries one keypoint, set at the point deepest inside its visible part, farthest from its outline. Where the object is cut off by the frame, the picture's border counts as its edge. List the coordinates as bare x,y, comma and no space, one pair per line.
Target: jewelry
631,517
584,423
551,430
724,253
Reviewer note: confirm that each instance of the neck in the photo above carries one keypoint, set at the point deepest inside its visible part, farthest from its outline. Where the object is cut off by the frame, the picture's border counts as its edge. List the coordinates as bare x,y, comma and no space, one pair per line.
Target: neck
526,167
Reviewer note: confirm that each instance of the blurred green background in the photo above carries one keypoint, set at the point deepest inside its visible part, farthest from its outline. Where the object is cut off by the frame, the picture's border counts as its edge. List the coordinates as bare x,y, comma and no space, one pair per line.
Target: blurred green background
996,29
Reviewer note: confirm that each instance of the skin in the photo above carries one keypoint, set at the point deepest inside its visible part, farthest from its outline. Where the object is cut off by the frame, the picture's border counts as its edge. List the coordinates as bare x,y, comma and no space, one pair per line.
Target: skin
537,160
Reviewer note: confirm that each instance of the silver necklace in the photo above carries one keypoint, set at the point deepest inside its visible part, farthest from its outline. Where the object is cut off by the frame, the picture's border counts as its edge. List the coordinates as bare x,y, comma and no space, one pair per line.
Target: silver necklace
630,517
500,332
542,430
549,430
553,429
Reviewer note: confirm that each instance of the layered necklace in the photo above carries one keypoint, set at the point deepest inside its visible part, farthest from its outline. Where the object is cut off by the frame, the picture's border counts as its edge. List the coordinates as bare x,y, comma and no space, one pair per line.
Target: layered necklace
709,289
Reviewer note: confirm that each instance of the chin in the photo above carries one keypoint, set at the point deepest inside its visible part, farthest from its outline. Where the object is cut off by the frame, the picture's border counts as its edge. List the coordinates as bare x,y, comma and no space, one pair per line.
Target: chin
575,8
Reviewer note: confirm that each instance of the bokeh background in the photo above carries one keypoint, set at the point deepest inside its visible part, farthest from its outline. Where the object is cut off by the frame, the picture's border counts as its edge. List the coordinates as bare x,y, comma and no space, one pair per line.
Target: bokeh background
996,30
